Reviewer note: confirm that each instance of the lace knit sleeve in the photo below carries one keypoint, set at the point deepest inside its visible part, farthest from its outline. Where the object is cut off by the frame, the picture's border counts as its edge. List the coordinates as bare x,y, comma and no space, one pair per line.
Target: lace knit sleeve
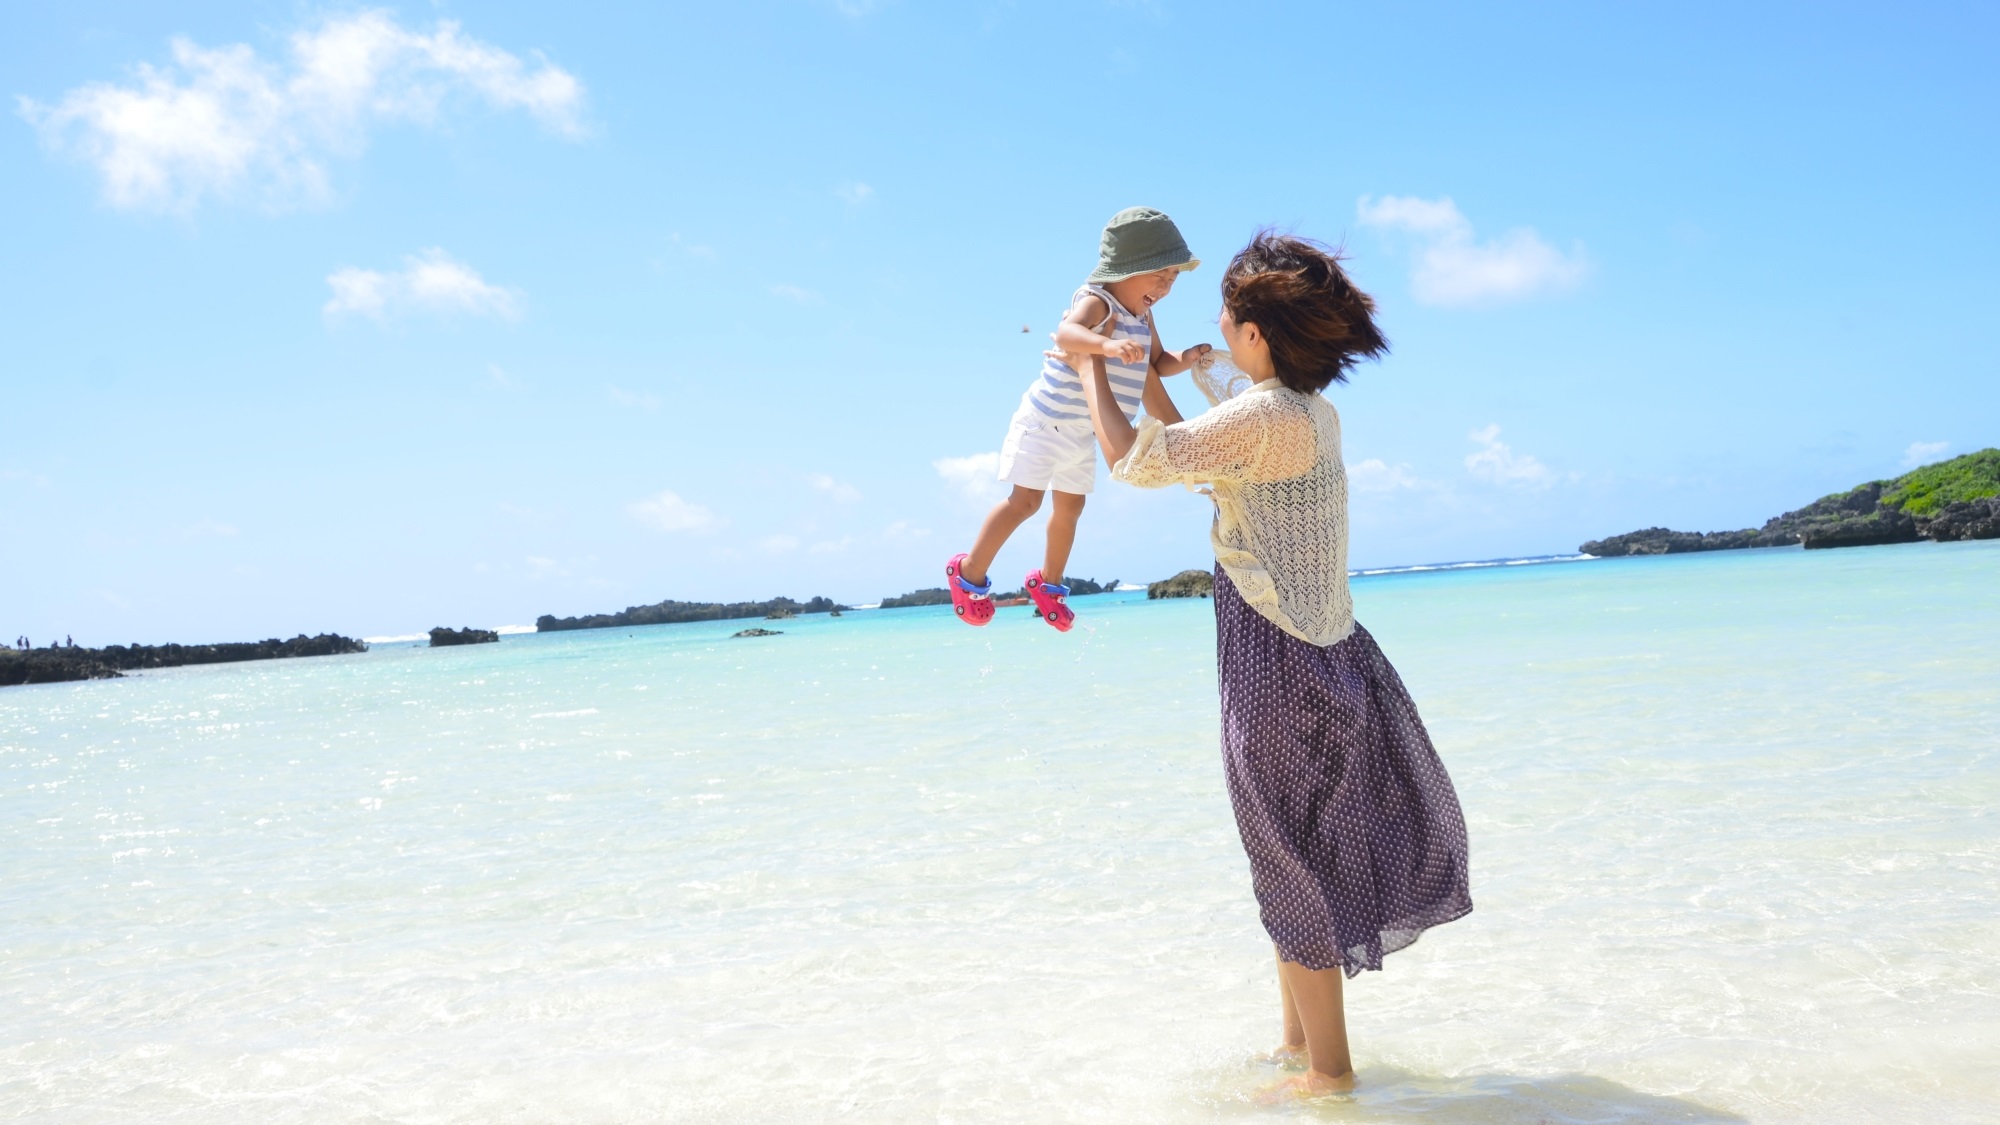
1250,438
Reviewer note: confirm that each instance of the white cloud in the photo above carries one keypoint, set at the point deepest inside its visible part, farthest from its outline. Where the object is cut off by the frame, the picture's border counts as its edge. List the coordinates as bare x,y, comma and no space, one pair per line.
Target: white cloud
831,546
1455,268
633,400
1922,452
840,491
1497,463
779,544
903,531
975,477
1377,475
431,281
1439,217
796,293
856,193
227,123
668,512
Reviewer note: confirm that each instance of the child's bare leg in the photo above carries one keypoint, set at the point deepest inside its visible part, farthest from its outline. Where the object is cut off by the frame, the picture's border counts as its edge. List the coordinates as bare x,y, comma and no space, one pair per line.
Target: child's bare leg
1007,515
1323,1018
1062,535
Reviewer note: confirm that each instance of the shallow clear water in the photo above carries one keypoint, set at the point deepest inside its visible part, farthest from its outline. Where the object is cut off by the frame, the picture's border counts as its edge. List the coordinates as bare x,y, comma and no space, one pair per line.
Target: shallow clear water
1734,857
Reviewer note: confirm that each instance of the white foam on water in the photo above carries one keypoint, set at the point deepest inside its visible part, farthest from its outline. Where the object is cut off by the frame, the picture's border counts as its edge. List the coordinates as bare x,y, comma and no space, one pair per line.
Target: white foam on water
1731,833
1477,564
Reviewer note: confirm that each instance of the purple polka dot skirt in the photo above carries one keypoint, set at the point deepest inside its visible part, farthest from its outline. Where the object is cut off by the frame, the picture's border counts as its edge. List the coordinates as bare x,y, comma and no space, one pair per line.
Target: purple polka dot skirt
1356,842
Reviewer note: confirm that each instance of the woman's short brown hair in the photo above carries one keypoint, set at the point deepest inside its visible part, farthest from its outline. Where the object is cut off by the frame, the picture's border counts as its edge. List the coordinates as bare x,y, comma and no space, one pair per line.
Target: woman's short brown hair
1317,323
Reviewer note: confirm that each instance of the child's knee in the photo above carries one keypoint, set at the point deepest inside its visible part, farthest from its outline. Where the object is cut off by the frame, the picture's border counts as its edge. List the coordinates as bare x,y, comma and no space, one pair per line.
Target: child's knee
1024,502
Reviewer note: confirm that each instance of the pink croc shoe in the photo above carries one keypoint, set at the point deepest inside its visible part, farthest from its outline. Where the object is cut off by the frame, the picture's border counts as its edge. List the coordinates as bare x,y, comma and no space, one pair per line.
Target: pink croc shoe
973,604
1048,598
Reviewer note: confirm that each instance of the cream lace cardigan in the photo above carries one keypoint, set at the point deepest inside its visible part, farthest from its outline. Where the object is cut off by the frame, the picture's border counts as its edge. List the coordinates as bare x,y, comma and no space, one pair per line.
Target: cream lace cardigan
1272,458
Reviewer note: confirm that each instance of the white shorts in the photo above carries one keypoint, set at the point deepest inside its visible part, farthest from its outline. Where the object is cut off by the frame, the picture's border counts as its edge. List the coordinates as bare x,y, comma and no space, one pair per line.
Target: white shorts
1042,453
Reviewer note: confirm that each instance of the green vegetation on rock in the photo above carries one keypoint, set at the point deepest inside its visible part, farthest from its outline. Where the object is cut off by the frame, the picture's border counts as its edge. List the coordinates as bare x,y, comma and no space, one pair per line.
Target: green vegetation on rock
1951,500
1922,492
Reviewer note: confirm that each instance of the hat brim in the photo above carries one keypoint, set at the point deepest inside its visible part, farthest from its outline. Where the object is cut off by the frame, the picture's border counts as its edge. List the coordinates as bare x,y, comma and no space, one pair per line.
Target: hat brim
1172,261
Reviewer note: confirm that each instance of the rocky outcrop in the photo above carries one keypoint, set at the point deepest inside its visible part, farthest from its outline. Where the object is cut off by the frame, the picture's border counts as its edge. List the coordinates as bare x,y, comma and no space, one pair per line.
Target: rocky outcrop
1081,586
56,665
52,666
1967,519
1660,541
758,633
938,595
1955,499
442,637
1186,584
671,612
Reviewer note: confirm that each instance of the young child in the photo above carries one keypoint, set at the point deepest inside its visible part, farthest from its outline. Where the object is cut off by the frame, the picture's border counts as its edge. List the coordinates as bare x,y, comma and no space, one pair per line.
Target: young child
1050,446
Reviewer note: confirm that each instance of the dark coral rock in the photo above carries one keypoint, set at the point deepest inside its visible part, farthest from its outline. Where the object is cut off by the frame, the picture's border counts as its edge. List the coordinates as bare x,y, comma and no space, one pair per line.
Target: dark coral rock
1186,584
1661,541
56,665
671,612
1966,519
936,595
1884,525
442,637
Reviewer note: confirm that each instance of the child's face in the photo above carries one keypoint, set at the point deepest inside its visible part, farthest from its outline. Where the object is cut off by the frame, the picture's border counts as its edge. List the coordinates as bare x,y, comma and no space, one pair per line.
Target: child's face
1141,293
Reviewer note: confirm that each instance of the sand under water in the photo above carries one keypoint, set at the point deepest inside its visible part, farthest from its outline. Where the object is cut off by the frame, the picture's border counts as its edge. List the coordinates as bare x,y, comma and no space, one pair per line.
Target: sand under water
1734,847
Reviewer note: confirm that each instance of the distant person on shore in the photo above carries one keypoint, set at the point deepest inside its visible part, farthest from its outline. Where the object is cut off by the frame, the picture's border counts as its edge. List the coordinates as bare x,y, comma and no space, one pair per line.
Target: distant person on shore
1050,446
1354,833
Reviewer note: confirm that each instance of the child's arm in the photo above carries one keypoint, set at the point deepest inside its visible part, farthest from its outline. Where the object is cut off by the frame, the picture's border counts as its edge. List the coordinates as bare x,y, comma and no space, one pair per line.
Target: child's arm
1166,363
1075,336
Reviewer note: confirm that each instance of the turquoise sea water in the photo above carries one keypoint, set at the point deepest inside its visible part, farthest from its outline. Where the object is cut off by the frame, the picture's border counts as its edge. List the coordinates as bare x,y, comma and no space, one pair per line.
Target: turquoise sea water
1735,858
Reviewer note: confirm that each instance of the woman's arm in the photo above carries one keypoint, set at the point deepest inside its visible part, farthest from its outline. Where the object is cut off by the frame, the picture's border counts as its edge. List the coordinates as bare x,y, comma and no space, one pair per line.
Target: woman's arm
1115,434
1158,402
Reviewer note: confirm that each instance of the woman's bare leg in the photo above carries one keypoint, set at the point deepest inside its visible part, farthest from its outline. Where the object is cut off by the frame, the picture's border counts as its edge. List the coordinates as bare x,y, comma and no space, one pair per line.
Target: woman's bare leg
1292,1048
1323,1018
1007,515
1062,535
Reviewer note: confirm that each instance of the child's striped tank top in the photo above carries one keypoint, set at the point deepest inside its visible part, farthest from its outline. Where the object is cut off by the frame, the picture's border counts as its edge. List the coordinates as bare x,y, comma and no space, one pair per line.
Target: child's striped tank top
1059,392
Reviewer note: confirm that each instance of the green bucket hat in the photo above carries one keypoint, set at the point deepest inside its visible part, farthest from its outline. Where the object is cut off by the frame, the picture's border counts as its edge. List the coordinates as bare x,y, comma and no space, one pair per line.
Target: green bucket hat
1140,240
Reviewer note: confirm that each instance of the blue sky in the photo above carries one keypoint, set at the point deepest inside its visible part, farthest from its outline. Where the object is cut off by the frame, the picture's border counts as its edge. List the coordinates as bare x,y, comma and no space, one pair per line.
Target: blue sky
373,319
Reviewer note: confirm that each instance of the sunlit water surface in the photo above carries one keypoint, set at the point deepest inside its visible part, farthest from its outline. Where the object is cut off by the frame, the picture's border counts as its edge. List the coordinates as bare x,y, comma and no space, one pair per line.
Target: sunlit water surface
1734,858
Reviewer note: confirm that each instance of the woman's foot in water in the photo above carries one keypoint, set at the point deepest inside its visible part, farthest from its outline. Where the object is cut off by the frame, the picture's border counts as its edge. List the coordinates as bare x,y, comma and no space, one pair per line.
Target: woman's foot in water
1311,1084
1291,1056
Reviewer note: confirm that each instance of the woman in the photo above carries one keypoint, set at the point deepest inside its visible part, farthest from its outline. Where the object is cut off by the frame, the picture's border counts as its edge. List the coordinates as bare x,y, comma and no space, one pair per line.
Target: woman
1354,834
